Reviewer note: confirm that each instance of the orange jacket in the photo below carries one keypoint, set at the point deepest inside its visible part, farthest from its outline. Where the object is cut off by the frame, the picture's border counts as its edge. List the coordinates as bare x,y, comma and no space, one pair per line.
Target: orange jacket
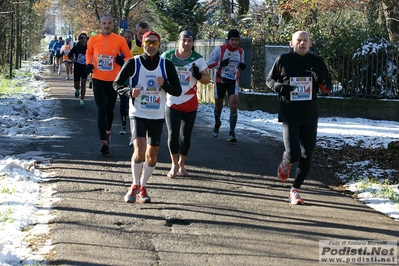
102,51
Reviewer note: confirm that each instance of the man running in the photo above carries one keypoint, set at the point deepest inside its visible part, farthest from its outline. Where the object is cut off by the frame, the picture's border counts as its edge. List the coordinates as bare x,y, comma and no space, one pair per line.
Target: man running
104,61
151,78
78,56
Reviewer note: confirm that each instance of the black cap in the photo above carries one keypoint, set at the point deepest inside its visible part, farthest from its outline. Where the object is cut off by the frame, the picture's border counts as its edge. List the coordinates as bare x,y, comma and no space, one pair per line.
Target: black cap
186,34
233,33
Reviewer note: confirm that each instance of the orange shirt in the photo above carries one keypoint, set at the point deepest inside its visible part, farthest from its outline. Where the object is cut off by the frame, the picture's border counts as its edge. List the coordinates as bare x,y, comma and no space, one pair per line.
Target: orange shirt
102,51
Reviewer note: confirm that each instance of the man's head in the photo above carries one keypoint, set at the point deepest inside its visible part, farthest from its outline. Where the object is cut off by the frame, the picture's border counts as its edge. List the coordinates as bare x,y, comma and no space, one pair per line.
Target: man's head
68,40
128,35
55,38
151,43
60,39
186,41
141,28
233,37
300,42
107,24
82,38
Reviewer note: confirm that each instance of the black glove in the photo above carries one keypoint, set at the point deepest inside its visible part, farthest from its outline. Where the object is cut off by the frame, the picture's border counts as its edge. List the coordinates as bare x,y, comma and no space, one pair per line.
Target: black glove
89,68
317,75
195,71
119,60
242,66
283,89
225,62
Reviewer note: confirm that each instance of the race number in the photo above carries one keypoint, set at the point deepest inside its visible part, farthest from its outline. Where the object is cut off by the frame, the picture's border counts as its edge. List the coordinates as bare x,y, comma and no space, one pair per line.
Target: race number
303,87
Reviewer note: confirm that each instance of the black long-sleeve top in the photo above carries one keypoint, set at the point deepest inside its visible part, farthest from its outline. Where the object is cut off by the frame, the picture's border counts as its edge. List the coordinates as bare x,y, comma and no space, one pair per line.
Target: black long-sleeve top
295,65
171,84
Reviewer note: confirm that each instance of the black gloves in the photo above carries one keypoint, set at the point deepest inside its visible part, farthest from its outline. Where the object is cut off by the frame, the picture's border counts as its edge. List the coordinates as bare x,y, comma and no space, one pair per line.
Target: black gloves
195,71
283,89
89,68
317,75
225,62
242,66
119,60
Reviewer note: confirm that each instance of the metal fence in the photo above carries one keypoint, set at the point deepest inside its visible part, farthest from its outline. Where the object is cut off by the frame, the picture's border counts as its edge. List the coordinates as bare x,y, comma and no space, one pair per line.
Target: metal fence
374,75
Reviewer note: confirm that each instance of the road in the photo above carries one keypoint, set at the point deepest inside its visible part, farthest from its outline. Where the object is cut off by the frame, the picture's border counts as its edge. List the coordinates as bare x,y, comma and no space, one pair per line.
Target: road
231,210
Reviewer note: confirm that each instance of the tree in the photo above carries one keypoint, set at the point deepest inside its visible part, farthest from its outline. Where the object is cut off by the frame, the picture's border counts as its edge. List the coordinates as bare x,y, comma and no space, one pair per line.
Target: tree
174,16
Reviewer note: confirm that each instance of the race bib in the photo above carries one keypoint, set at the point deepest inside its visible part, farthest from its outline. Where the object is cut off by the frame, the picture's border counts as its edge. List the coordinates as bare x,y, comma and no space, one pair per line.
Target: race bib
230,71
81,59
105,62
150,98
184,76
303,87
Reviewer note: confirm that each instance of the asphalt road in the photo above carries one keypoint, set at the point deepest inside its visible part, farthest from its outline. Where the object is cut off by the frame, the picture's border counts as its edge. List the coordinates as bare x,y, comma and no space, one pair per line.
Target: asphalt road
231,210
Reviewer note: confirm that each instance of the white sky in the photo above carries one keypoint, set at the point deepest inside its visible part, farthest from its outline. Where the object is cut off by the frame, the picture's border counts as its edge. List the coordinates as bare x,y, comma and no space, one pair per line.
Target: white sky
24,201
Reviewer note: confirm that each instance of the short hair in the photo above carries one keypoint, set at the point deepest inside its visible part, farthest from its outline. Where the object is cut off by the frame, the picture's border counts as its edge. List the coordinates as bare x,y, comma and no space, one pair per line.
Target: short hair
107,16
128,31
143,25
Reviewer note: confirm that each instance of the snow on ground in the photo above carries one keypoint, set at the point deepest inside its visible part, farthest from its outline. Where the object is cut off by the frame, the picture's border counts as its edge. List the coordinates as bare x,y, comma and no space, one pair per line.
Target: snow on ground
25,200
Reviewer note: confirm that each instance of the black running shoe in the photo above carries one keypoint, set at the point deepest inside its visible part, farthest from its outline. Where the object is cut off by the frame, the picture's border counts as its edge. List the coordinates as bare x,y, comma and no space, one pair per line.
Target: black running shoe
215,132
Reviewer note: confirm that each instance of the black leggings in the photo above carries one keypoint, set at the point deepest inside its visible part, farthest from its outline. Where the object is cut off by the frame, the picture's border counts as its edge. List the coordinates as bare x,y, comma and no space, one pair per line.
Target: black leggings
179,125
105,97
123,106
299,142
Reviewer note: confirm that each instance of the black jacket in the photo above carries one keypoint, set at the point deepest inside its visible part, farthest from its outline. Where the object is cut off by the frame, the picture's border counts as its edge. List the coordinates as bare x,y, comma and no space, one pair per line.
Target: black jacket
294,65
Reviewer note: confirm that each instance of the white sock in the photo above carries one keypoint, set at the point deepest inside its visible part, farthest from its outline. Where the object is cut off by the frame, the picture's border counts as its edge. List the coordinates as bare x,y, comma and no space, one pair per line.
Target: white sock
147,172
136,171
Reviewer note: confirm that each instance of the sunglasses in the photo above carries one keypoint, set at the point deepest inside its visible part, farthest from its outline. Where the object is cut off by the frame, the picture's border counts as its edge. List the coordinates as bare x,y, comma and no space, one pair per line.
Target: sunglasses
82,37
148,43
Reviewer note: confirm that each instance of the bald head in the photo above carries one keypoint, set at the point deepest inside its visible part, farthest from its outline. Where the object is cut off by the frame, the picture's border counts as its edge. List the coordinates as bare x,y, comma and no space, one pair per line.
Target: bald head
300,42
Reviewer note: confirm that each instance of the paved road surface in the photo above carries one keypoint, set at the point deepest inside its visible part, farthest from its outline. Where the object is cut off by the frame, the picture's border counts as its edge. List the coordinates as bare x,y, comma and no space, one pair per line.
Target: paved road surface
231,210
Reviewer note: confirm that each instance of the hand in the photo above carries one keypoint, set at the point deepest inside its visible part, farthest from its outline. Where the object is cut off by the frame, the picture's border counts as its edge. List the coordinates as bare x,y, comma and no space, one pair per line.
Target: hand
225,62
89,68
119,60
242,66
160,81
195,71
317,75
283,89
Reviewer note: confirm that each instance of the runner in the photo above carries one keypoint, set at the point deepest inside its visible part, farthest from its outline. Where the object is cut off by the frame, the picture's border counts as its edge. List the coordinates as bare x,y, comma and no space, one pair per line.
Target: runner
181,111
65,49
78,57
151,78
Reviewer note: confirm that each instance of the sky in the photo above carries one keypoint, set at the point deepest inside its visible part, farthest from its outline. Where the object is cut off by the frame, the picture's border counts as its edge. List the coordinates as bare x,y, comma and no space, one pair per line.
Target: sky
25,203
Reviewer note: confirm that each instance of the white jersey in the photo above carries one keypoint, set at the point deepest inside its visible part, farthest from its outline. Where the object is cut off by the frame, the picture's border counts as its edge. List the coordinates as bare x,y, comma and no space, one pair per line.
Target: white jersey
150,104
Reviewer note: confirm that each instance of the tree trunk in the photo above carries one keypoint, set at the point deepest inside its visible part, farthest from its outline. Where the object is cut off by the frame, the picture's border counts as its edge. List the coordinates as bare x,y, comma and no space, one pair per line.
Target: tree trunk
391,11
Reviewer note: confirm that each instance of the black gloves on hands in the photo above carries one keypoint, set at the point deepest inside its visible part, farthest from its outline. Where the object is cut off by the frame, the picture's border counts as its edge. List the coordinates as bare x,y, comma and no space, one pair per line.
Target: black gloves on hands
225,62
317,75
283,89
195,71
242,66
89,68
119,60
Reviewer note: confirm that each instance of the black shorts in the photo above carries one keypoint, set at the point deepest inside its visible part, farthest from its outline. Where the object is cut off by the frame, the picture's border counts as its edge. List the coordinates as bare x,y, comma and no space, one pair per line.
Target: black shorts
147,128
79,71
222,88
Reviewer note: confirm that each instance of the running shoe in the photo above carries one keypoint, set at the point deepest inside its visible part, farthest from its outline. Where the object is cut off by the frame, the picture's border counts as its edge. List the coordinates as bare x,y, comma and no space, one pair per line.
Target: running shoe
130,196
232,137
108,136
82,103
130,142
294,197
123,131
215,132
104,149
77,93
143,195
283,171
67,78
